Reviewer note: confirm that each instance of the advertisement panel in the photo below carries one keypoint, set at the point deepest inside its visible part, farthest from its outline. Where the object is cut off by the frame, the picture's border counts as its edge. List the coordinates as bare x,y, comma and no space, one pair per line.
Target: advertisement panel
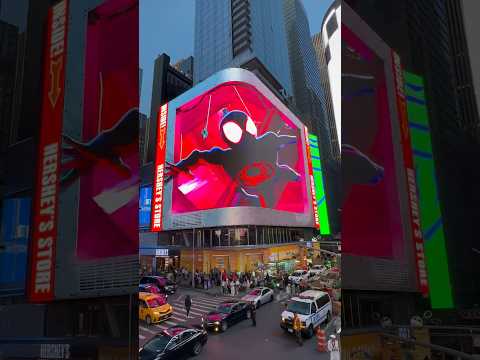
104,161
440,287
14,238
410,175
371,215
312,180
144,205
235,155
159,178
45,202
319,185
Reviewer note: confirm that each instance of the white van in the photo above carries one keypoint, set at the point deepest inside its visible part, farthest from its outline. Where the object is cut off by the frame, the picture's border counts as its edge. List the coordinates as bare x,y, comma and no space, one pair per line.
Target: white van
312,306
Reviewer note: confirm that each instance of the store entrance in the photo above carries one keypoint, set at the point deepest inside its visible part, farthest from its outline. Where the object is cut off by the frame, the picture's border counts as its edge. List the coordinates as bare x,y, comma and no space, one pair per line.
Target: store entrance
167,263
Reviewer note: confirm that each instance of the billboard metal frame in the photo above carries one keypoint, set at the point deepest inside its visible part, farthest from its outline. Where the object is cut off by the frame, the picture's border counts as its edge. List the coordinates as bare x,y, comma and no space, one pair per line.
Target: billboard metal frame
231,216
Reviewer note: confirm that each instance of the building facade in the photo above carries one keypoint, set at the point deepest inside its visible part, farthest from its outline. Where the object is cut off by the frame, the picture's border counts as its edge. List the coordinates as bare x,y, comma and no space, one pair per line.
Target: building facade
242,33
185,66
76,313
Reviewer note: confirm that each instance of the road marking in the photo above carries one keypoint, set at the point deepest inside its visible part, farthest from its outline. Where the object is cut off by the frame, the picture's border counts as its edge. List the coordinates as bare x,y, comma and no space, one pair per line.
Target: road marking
161,327
147,330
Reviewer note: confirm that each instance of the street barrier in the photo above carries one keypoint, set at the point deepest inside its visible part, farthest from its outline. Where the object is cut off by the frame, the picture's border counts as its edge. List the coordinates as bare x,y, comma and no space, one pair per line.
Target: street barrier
321,340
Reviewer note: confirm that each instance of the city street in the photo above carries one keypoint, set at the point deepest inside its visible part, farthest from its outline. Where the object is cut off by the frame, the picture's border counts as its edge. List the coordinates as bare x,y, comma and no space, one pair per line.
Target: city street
241,341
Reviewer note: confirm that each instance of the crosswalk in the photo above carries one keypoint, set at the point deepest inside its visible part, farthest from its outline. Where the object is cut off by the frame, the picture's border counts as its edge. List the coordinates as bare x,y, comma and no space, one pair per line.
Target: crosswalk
201,304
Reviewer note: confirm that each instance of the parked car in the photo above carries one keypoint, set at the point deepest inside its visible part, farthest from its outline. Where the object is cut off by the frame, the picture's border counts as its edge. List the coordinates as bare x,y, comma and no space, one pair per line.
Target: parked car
153,308
259,296
166,286
298,276
227,314
175,342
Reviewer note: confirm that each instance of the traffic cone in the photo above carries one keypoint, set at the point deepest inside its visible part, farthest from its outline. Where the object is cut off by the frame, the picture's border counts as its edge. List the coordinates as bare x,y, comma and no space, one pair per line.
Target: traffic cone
321,340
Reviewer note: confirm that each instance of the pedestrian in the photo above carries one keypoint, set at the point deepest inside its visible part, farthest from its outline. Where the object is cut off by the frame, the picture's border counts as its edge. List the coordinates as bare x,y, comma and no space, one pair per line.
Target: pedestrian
297,328
334,348
188,304
224,285
232,288
253,314
237,287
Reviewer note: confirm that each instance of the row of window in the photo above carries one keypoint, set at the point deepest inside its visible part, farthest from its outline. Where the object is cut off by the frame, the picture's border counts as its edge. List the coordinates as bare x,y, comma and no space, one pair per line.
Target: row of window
234,236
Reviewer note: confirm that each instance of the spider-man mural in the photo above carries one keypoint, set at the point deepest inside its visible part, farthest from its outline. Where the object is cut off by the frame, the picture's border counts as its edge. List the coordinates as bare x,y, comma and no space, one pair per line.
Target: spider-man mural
371,219
234,148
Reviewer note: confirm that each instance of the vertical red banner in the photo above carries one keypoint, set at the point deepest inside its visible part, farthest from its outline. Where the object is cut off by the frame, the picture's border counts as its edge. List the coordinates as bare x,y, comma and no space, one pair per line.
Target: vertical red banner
157,195
44,234
410,171
312,180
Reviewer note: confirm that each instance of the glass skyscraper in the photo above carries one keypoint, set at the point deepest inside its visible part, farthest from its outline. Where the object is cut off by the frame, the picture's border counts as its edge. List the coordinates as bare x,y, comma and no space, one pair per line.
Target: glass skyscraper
242,33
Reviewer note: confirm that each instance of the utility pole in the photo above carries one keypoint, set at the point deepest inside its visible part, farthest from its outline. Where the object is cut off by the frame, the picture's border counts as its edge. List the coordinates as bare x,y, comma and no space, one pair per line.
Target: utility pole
193,260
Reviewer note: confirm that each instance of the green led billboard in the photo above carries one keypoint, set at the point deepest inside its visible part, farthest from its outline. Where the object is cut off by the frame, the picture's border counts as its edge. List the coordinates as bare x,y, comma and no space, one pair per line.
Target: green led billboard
431,218
319,187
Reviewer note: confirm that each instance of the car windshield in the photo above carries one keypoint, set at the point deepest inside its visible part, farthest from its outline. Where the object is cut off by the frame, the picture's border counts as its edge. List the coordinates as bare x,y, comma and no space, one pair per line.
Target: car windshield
255,292
299,307
224,308
158,343
156,302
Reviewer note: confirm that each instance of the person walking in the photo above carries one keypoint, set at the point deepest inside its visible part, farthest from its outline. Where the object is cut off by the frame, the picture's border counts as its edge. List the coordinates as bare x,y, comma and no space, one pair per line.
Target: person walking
188,304
297,328
253,314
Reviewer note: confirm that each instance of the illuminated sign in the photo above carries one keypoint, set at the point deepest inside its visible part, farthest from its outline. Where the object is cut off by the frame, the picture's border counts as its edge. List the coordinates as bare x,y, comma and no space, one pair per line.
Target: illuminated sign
427,208
411,181
161,252
312,180
158,185
319,184
145,206
44,237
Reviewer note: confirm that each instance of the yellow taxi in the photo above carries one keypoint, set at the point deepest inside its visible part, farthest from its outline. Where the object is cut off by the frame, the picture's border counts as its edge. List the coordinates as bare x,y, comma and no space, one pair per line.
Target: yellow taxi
153,308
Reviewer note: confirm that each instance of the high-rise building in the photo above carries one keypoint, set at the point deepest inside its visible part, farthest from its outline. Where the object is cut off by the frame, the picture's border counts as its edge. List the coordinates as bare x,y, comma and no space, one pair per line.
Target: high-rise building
242,33
432,41
168,83
310,98
185,66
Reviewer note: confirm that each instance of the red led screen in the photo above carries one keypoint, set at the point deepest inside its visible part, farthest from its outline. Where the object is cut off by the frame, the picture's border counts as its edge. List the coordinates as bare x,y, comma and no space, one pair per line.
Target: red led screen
234,148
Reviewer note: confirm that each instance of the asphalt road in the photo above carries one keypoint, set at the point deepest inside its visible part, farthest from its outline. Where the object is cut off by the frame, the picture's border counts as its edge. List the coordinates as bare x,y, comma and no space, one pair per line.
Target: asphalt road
242,341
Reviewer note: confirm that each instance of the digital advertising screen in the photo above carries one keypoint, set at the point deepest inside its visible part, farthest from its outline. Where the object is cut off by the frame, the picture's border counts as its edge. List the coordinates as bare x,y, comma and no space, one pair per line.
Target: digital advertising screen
104,161
232,148
319,185
371,215
145,206
14,241
440,287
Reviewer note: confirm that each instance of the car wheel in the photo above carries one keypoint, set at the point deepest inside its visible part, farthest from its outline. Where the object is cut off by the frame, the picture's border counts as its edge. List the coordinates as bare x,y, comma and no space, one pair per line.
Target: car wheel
224,326
197,348
271,298
148,320
310,331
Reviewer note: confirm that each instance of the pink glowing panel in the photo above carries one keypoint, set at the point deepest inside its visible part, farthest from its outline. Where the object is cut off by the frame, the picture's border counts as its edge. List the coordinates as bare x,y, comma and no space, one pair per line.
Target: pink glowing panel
234,148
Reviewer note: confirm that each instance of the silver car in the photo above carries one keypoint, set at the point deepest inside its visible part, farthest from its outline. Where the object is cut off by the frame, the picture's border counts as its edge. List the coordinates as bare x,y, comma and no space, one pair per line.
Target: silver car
259,296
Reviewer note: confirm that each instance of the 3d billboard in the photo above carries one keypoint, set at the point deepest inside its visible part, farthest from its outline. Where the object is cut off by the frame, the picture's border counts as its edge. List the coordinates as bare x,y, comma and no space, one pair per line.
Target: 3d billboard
371,218
104,160
14,242
440,287
234,154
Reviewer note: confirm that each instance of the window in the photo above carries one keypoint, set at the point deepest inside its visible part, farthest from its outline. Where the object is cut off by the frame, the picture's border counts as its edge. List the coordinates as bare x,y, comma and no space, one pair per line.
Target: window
322,301
328,56
264,292
314,308
332,25
186,335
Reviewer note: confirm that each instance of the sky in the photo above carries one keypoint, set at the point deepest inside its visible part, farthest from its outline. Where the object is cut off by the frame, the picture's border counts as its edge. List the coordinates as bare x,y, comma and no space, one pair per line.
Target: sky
167,26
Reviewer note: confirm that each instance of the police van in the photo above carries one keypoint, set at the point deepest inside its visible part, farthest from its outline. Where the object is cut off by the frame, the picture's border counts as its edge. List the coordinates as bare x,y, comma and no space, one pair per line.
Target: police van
313,308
